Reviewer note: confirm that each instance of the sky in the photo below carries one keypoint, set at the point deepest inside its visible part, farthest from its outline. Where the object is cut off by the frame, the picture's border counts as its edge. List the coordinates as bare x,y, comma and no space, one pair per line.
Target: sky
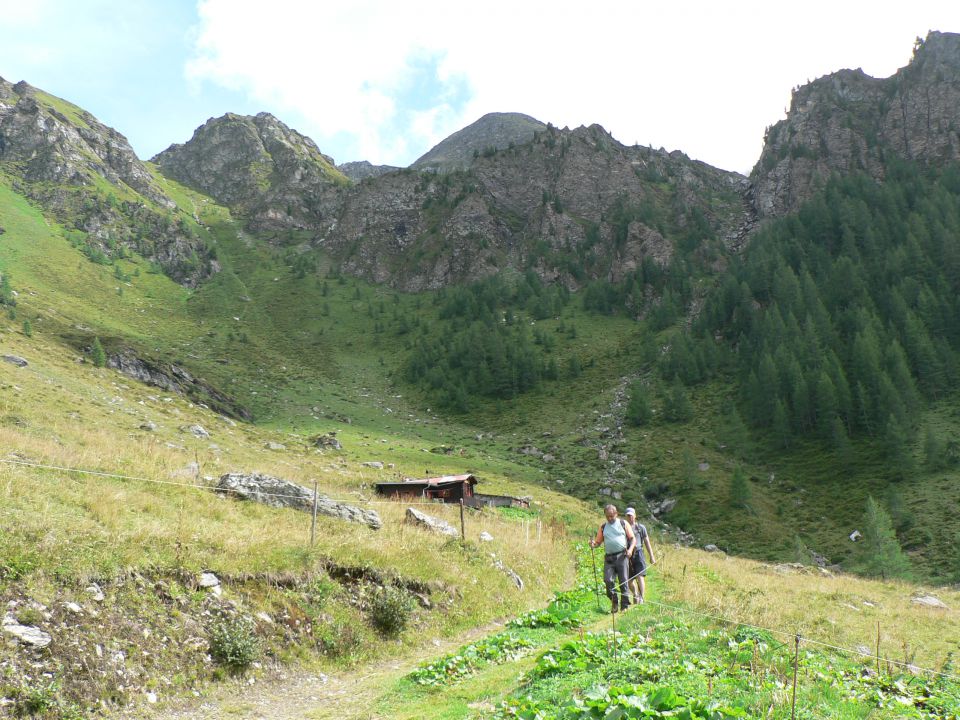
385,81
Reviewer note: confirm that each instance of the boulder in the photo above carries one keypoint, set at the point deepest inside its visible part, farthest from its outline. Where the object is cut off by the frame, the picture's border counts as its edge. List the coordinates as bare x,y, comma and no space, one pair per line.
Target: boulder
195,430
327,441
283,493
275,446
930,601
855,535
485,537
15,360
26,633
663,507
375,464
208,580
149,426
711,548
428,522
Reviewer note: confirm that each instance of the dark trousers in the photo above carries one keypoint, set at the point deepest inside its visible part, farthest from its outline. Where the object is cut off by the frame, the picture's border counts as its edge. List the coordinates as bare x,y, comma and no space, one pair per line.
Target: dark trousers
617,565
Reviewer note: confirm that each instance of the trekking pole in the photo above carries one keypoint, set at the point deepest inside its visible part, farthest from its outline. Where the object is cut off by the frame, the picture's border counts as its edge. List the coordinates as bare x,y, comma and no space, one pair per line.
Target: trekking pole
596,586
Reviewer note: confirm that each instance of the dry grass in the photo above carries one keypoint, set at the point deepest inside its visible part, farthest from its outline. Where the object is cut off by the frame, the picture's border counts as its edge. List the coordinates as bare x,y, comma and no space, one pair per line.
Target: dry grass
75,527
841,610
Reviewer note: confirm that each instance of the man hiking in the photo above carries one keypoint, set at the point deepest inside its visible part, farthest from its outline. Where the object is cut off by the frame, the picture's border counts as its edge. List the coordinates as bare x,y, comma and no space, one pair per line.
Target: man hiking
618,542
638,565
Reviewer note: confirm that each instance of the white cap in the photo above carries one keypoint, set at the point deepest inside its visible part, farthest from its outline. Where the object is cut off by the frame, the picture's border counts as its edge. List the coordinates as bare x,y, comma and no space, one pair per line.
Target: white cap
631,511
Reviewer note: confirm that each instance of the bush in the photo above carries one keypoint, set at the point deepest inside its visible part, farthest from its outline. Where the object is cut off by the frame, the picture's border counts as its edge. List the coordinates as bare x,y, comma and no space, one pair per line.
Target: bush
390,610
233,642
338,639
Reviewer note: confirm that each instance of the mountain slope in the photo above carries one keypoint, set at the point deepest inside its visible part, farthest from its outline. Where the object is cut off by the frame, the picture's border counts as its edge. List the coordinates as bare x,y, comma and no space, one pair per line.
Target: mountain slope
88,176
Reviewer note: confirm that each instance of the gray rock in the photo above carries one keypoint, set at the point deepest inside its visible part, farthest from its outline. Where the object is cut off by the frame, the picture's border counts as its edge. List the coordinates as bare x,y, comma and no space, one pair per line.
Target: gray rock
711,548
15,360
428,522
208,580
375,464
498,564
485,537
27,634
276,492
930,601
149,426
195,430
95,592
855,535
275,446
663,507
327,441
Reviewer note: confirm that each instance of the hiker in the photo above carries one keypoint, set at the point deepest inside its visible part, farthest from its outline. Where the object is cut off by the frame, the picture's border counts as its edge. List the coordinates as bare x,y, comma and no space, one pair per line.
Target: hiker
638,565
618,542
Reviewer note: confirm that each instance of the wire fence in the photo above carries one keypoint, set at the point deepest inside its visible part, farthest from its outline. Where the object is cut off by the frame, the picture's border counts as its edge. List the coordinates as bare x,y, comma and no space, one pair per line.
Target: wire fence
200,486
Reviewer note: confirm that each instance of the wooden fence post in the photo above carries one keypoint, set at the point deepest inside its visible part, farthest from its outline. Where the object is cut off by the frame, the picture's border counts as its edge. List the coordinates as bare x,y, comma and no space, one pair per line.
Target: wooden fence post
313,521
463,527
796,664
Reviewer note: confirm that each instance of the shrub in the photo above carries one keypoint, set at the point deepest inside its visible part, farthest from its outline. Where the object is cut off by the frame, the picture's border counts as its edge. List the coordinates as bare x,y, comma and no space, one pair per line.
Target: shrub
390,610
338,639
233,642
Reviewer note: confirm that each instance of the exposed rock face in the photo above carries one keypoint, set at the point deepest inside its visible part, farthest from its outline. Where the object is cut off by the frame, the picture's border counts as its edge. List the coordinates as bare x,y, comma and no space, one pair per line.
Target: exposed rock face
848,121
276,492
51,145
275,177
494,131
362,170
174,378
433,524
572,205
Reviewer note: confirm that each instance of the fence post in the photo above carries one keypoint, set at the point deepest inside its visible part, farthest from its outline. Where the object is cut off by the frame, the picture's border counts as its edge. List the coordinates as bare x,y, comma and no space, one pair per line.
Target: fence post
878,648
463,527
796,664
313,521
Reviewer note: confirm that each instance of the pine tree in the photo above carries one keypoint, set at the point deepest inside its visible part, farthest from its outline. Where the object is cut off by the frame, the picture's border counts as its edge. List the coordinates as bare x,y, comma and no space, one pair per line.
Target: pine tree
933,451
638,409
880,551
739,489
98,355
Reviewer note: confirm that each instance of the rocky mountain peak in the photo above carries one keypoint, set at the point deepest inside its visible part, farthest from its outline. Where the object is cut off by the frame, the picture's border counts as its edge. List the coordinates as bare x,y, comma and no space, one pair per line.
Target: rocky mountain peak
849,121
493,131
273,175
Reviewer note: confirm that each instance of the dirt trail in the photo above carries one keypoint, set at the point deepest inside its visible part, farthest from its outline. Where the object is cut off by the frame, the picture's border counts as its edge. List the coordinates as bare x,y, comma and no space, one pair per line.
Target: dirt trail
348,695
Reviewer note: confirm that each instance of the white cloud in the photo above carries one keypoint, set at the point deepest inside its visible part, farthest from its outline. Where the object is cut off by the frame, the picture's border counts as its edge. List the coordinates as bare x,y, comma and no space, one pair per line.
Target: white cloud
700,76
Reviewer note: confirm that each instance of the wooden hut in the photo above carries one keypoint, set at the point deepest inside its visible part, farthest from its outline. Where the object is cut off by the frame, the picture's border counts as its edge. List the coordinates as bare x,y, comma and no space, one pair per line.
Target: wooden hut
448,488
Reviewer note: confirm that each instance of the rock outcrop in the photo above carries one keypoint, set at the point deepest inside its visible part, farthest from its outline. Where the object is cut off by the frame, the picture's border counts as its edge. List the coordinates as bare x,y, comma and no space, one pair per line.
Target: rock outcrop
174,378
848,121
276,492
